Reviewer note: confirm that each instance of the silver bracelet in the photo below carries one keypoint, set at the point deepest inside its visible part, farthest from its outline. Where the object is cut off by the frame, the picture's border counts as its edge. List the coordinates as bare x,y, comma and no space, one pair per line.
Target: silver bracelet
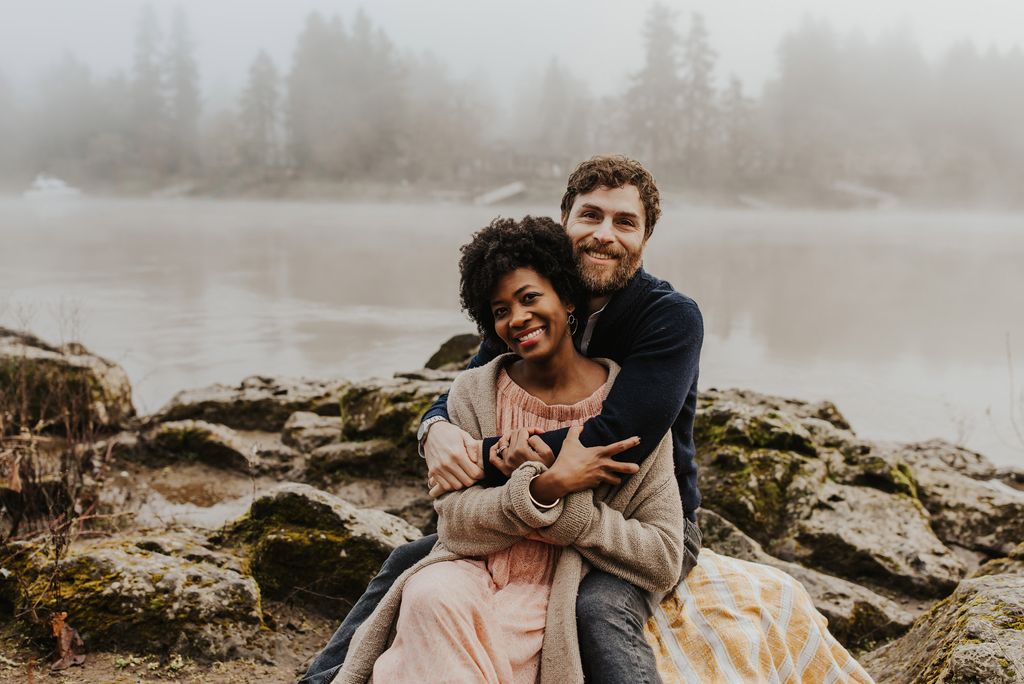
536,503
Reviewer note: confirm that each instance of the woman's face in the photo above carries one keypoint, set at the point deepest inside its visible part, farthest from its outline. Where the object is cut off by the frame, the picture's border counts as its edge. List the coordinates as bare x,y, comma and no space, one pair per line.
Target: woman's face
529,316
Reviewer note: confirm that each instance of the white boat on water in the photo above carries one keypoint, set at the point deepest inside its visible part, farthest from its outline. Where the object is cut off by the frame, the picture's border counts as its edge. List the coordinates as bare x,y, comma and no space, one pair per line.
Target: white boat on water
46,187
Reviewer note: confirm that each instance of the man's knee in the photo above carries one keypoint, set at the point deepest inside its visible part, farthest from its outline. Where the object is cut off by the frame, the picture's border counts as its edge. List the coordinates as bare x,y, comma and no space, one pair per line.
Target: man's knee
405,556
604,598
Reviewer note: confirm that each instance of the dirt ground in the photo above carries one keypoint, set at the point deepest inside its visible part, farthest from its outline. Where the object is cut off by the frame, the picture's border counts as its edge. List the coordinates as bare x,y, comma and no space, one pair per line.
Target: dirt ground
285,651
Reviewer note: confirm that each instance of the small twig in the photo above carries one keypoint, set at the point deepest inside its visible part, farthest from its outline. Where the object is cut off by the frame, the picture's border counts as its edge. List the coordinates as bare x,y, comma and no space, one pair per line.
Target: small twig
1013,394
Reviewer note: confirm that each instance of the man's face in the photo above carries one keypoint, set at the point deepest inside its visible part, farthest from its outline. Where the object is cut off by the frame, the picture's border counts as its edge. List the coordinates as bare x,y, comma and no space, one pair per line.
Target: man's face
606,227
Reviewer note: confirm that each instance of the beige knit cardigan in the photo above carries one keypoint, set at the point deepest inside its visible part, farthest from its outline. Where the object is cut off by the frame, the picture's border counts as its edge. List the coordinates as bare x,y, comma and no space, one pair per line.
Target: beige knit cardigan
634,531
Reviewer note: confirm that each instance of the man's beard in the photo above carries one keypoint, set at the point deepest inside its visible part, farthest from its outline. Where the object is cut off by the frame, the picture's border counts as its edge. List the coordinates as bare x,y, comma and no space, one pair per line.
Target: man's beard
599,283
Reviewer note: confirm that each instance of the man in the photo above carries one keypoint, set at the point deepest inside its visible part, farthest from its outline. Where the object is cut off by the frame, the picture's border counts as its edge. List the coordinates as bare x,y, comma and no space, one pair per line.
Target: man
654,333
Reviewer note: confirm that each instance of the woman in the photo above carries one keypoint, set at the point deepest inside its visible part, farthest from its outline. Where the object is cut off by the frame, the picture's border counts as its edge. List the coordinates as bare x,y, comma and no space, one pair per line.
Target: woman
495,599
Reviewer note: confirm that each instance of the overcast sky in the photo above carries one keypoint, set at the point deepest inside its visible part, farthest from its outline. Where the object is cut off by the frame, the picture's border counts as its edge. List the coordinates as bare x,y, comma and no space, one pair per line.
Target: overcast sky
599,40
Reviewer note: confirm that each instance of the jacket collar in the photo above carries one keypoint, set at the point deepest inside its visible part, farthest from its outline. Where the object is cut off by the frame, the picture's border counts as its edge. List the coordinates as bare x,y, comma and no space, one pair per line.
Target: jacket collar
625,300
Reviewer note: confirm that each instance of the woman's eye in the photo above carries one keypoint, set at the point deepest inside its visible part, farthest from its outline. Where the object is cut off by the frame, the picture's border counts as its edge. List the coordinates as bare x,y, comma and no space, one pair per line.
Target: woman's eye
530,296
498,313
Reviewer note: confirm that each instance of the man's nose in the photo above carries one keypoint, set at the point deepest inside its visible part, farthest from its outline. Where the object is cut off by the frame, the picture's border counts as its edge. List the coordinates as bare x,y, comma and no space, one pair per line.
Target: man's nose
604,231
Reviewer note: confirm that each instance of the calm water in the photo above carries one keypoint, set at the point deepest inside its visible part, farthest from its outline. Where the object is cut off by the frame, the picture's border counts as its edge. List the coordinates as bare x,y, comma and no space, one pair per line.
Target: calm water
901,319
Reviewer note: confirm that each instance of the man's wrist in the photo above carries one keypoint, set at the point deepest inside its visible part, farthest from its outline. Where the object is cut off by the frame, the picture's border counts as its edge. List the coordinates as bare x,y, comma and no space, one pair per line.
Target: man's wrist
421,434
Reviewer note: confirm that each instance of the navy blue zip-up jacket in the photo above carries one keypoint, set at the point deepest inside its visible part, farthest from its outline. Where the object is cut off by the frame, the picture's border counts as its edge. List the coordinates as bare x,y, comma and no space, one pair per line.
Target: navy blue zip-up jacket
655,334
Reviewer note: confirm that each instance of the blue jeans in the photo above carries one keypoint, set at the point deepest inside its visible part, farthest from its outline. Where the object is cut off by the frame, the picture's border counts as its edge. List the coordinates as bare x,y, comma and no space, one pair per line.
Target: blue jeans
610,618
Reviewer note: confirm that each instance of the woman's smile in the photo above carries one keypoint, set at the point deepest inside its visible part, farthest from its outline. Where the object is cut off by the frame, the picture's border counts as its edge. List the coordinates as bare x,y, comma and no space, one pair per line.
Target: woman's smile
530,337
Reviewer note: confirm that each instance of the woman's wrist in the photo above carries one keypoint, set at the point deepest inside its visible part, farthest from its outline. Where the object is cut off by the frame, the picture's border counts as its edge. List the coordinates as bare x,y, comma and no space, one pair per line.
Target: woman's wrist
546,488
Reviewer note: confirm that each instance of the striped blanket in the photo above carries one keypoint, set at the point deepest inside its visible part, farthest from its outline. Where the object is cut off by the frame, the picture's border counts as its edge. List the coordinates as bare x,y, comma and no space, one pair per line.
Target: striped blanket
733,621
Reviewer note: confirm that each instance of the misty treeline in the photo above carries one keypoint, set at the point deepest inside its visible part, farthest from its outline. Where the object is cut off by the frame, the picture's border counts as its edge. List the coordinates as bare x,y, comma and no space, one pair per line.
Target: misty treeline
848,119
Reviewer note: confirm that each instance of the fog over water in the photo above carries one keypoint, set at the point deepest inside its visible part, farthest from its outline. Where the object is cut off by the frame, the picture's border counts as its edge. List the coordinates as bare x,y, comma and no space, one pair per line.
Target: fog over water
216,189
899,318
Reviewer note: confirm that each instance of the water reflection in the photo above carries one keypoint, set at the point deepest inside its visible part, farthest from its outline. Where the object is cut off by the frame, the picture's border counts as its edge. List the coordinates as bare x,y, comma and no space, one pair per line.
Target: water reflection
899,318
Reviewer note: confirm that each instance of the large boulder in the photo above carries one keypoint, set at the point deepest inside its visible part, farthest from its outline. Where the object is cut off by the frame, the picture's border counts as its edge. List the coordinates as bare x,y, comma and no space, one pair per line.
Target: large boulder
343,460
257,403
307,545
391,408
454,355
171,595
856,615
213,444
968,505
976,635
43,384
793,476
869,535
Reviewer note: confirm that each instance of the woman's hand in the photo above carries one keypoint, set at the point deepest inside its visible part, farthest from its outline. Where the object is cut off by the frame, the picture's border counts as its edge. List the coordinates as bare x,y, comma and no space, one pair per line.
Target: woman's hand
579,468
515,449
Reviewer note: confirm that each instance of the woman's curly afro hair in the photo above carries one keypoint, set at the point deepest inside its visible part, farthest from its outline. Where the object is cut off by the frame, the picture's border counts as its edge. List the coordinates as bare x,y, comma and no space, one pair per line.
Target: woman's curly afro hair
505,245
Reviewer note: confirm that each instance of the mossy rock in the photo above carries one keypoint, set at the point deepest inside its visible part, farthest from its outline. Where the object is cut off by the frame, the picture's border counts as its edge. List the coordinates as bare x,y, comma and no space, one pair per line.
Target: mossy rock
455,353
869,536
47,384
966,504
306,545
215,445
727,423
306,431
879,468
976,635
1010,565
371,458
121,594
388,409
755,487
256,403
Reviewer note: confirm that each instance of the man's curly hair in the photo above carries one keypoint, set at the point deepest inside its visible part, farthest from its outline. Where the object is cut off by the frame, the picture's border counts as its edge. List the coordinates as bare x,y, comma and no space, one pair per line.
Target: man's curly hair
505,245
614,171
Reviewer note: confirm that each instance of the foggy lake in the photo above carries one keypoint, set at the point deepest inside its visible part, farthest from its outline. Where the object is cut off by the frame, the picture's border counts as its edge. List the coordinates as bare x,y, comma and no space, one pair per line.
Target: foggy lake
901,319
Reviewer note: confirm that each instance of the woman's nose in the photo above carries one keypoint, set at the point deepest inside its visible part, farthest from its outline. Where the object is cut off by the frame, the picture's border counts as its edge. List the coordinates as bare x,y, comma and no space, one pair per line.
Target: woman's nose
520,317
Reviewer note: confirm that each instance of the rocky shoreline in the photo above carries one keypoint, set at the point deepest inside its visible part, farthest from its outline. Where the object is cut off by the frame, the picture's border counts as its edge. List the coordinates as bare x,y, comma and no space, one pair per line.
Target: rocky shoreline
237,524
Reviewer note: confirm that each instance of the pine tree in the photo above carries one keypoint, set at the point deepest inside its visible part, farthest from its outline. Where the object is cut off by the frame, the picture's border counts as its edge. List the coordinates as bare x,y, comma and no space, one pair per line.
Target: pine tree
182,79
652,101
259,114
737,134
698,99
317,93
149,113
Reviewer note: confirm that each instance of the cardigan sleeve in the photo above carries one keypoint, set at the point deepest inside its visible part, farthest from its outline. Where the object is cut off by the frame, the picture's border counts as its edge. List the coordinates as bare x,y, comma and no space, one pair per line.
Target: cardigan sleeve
645,547
477,521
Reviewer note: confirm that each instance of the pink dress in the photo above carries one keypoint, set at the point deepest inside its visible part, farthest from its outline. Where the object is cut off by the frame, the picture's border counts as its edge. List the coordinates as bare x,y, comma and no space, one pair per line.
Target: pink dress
482,620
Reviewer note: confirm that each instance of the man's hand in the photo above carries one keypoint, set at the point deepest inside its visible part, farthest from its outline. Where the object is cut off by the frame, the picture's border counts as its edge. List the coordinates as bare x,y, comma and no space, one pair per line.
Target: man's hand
579,468
453,459
515,449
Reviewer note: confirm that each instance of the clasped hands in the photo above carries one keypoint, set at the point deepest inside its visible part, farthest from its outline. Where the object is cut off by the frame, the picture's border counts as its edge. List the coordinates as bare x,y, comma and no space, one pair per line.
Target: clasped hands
455,460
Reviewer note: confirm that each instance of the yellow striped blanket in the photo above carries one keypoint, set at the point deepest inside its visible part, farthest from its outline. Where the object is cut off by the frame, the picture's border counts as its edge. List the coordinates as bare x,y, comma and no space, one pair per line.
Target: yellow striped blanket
733,621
